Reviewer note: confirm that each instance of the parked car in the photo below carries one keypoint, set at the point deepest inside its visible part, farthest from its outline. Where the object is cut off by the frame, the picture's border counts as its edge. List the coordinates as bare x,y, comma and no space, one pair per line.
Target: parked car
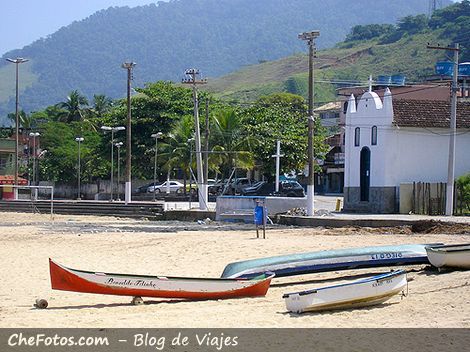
144,188
175,186
286,189
216,188
237,185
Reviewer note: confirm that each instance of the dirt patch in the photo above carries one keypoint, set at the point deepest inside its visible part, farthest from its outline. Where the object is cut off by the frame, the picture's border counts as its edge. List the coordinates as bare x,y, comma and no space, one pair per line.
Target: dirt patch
437,227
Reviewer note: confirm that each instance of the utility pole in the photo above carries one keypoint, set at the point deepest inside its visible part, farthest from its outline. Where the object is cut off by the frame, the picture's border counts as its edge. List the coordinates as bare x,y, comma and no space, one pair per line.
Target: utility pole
434,5
17,62
309,37
453,128
128,66
192,80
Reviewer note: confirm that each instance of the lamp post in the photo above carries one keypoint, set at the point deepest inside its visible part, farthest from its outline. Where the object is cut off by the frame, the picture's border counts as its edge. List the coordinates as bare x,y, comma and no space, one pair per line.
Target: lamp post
309,37
201,183
79,140
112,129
118,145
190,142
34,135
17,61
156,136
128,66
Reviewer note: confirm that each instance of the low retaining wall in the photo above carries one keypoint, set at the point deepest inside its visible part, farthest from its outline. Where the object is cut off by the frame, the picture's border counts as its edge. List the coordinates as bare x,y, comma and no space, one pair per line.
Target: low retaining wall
340,222
241,208
187,215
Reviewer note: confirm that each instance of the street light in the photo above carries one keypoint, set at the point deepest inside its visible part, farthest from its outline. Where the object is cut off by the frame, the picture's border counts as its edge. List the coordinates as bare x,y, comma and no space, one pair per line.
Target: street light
118,145
34,135
190,142
17,61
192,80
128,66
112,129
309,37
156,136
79,140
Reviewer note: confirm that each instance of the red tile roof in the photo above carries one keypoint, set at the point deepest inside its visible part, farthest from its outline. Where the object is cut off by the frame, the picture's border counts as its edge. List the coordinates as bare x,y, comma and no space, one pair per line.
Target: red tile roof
10,180
429,113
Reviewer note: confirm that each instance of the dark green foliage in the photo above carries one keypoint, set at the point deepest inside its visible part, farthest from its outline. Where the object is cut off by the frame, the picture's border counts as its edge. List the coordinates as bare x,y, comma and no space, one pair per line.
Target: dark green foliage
413,24
366,32
61,160
463,188
281,117
455,22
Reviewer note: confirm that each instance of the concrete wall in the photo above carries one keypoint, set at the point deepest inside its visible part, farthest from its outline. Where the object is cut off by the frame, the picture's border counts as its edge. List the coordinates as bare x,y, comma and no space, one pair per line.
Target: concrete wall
382,200
242,208
437,196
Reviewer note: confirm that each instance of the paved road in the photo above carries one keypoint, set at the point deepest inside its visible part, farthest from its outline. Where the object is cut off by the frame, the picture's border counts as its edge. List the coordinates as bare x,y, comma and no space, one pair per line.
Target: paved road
320,202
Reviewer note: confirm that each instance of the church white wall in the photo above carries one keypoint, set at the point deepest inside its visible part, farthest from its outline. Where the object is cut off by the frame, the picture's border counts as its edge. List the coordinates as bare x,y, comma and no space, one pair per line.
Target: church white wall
423,155
370,112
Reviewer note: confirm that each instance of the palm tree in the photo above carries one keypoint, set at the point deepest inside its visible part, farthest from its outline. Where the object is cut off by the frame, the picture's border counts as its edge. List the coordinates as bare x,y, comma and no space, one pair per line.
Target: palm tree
177,148
232,146
75,107
101,104
27,122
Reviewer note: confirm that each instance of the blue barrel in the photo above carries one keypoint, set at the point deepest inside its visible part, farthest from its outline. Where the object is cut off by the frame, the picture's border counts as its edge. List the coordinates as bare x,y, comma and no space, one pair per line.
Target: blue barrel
398,80
260,215
445,68
384,80
464,69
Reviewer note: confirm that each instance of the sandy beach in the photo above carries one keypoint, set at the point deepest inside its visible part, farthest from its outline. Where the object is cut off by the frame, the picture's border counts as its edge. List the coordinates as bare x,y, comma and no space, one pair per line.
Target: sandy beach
187,249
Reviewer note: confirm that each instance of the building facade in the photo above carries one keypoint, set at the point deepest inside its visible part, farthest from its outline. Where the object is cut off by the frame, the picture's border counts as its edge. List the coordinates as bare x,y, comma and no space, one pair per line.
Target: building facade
390,141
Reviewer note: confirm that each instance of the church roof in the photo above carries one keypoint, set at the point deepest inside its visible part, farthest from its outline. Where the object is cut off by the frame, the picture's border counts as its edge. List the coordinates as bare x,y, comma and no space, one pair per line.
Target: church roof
429,113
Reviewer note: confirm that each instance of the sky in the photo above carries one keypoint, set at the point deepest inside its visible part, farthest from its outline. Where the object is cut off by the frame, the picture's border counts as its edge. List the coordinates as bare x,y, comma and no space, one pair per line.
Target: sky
24,21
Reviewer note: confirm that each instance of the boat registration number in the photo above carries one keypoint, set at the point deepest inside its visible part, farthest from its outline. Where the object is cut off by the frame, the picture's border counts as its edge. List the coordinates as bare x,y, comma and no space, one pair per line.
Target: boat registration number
391,255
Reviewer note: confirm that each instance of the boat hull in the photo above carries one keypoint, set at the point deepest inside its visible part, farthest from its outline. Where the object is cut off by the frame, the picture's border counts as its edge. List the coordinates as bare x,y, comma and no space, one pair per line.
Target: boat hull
366,292
455,256
323,261
66,279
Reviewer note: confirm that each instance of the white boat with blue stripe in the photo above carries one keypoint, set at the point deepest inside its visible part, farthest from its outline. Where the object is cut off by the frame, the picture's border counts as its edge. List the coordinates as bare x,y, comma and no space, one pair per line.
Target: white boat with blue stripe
370,291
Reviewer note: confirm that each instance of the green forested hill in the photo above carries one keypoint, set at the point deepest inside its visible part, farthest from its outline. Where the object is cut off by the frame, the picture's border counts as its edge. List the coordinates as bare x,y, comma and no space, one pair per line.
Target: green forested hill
216,36
386,50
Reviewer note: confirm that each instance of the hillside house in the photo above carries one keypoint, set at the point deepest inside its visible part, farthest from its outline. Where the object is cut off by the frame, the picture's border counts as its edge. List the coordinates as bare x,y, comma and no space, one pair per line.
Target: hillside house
390,142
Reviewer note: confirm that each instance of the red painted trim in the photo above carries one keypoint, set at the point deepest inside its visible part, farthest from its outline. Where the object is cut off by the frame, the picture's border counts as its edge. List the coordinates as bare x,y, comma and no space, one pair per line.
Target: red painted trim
62,279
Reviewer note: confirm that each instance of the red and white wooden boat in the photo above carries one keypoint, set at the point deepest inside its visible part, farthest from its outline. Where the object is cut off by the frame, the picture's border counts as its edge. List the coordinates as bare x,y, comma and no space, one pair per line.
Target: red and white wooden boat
66,279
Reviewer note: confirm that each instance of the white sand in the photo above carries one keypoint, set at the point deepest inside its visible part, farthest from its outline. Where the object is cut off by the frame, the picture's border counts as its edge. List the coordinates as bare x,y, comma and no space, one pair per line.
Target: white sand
128,246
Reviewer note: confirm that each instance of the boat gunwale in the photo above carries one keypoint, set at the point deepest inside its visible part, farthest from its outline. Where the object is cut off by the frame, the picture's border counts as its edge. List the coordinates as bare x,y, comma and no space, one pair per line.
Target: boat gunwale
267,275
377,278
231,269
451,248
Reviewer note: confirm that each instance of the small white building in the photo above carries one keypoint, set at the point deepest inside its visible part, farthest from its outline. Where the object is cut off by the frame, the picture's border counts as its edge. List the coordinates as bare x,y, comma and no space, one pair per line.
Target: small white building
391,142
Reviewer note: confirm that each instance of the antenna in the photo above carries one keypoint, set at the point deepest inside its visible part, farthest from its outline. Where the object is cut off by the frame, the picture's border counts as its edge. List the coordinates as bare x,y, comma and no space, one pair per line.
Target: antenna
433,6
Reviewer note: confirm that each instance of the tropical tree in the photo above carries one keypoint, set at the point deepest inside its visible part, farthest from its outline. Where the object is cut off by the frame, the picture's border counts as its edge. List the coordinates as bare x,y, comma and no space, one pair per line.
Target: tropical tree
282,116
178,146
101,105
232,144
157,108
27,122
61,160
75,107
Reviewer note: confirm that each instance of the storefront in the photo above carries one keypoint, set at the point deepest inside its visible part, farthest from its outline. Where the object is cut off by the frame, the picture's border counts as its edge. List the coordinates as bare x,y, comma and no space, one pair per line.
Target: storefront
7,191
